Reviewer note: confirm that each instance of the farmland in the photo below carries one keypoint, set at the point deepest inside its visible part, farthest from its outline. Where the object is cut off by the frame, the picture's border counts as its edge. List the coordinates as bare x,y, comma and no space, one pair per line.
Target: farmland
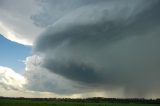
70,102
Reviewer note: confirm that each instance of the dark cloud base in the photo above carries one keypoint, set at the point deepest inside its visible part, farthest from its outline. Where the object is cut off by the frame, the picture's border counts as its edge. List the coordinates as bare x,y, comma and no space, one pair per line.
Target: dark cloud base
112,47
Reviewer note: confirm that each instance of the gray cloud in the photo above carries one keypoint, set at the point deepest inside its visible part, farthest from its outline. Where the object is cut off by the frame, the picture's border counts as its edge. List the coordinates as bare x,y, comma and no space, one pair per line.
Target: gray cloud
106,45
46,81
53,10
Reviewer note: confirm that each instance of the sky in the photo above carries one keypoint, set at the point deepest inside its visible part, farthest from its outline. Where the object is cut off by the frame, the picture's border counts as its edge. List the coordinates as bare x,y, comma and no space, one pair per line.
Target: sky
80,48
13,54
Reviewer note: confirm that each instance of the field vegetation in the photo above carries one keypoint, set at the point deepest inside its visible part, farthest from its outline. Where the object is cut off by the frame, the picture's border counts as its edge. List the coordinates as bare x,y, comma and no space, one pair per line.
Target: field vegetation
76,102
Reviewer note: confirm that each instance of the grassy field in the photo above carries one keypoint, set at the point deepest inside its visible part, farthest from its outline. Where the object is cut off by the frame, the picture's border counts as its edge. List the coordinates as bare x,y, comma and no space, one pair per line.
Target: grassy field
8,102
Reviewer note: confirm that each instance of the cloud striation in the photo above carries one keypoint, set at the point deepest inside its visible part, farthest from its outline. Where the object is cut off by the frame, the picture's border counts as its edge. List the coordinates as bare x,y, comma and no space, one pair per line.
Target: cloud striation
106,45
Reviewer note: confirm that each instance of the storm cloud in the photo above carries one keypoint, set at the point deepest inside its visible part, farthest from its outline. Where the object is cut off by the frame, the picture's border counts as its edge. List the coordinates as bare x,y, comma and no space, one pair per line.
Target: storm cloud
105,44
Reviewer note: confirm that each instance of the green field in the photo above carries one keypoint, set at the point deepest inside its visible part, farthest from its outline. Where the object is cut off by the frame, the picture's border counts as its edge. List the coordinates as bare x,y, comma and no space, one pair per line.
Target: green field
8,102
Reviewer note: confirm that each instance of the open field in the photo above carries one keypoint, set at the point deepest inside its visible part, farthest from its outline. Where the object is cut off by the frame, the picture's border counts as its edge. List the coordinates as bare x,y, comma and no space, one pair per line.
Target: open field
11,102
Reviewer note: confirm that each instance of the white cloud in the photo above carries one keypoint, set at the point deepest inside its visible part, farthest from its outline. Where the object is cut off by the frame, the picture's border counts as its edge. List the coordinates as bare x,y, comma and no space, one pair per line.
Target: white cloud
9,79
11,35
15,22
13,84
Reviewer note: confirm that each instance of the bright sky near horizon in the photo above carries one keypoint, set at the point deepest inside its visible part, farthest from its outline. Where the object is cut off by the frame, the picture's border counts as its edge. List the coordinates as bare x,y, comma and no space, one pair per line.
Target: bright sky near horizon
80,48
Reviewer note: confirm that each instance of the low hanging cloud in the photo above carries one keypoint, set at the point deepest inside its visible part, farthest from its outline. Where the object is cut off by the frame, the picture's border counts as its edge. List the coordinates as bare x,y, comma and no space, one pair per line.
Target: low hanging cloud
58,86
106,45
47,81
